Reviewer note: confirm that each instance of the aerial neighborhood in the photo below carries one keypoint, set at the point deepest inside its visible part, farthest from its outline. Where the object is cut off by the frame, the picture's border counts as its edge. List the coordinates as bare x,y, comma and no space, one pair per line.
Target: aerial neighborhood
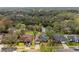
39,29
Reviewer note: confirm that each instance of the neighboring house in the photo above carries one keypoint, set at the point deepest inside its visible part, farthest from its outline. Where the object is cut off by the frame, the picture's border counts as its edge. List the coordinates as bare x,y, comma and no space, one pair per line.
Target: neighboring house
44,37
66,37
72,37
59,38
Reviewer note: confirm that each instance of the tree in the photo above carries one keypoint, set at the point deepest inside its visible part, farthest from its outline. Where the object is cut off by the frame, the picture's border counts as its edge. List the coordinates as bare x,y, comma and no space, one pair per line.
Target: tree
57,27
66,27
34,27
10,39
50,32
34,36
20,26
5,23
2,28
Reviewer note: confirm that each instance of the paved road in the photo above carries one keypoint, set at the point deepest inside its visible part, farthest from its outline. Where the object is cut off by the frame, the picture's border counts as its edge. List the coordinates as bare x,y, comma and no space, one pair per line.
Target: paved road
66,48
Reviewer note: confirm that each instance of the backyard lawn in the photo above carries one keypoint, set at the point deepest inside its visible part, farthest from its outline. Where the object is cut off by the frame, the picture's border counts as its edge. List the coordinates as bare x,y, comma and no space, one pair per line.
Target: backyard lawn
31,32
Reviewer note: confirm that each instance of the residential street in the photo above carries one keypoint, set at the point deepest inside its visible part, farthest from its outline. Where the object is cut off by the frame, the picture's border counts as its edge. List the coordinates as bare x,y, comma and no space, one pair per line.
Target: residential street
65,48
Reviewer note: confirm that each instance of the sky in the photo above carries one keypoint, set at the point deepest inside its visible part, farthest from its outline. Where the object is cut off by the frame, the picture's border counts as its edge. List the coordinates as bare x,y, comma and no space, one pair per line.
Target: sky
39,3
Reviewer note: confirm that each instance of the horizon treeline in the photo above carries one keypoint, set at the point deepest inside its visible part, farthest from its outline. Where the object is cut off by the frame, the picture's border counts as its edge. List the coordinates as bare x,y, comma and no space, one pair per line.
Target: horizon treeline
55,21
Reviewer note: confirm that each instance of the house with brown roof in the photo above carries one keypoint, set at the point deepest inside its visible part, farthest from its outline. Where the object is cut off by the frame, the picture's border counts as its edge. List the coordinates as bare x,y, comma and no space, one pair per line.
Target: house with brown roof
26,38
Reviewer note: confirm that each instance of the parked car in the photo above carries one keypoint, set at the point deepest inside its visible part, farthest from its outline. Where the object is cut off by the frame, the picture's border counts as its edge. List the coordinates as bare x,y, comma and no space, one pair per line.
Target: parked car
5,49
76,48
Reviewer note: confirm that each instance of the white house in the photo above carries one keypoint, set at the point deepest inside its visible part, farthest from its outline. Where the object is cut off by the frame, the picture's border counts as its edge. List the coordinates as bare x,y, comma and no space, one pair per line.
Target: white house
43,30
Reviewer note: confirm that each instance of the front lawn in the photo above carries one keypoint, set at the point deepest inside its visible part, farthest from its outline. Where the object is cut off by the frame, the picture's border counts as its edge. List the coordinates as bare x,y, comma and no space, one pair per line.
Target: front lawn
46,48
73,43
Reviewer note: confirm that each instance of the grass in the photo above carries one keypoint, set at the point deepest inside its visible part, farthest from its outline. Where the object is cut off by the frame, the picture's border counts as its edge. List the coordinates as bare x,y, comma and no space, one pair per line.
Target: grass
73,43
45,48
31,32
20,44
21,47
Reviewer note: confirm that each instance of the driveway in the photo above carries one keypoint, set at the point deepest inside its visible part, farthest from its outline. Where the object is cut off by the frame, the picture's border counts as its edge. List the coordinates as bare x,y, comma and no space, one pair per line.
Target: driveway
65,46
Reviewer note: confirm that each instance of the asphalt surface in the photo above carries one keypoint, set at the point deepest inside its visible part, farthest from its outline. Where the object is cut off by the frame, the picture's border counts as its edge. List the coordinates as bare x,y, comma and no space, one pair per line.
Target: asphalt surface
65,48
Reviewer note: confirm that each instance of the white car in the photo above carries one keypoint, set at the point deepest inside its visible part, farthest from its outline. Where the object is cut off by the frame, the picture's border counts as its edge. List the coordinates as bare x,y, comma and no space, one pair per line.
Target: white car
76,48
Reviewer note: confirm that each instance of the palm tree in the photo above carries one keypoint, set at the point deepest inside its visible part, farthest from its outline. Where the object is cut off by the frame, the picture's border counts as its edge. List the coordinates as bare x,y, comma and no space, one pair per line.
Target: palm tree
34,36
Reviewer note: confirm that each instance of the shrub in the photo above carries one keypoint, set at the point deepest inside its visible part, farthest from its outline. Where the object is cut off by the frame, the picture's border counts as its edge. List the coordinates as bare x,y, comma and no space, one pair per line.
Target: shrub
20,44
